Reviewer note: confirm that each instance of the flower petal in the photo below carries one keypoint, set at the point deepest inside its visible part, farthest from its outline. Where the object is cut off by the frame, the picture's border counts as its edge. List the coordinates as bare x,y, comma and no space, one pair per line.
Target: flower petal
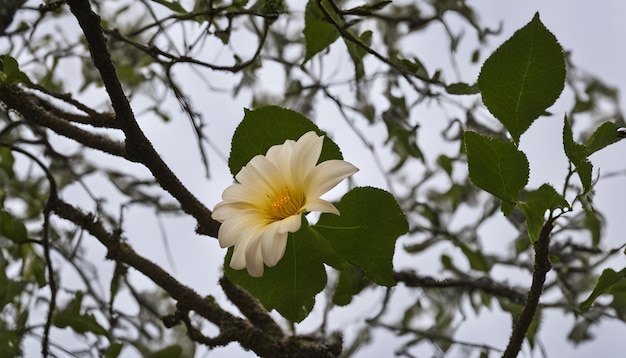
239,228
273,245
254,258
326,176
290,224
304,157
321,205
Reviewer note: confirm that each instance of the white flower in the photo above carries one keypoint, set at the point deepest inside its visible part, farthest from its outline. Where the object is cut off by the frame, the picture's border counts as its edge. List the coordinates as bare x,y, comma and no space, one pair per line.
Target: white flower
272,192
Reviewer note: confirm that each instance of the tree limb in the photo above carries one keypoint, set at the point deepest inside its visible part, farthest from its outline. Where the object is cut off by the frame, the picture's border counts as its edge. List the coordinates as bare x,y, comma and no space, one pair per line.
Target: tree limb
542,266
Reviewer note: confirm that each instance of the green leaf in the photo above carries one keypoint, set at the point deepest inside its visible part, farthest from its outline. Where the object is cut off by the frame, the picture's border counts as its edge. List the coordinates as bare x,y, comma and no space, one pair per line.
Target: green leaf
173,351
460,88
365,233
496,167
357,53
351,282
12,73
267,126
290,286
12,228
172,5
114,350
535,206
523,77
318,32
603,136
476,259
70,316
6,161
577,154
606,283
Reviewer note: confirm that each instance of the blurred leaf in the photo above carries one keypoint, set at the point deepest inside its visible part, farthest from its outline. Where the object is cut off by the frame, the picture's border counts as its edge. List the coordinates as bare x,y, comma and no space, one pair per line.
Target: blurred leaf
12,228
114,350
173,351
608,280
350,283
172,5
267,126
357,53
523,77
535,206
318,33
365,233
460,88
476,258
577,154
6,161
70,316
10,72
496,167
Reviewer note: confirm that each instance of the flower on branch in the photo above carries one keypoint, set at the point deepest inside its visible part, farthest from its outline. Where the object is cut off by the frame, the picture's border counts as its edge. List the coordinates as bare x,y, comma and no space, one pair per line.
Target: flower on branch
272,193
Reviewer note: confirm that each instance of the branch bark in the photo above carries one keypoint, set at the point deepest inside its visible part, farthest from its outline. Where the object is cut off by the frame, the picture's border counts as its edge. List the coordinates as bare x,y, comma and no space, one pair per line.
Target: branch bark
541,268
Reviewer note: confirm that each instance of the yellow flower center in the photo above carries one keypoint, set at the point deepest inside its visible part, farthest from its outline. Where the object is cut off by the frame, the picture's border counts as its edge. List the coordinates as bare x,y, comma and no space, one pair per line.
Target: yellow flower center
285,206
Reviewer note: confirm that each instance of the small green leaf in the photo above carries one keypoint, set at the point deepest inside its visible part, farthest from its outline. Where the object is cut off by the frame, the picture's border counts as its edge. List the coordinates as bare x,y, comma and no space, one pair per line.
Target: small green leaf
607,281
523,77
577,154
351,282
290,286
603,136
366,231
6,161
114,350
11,228
476,259
172,5
318,32
70,316
267,126
173,351
535,206
357,53
460,88
496,167
12,74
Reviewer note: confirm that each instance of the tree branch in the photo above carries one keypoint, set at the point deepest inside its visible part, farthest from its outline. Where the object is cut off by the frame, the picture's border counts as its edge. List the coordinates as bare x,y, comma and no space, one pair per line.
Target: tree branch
138,147
29,107
249,336
485,284
542,266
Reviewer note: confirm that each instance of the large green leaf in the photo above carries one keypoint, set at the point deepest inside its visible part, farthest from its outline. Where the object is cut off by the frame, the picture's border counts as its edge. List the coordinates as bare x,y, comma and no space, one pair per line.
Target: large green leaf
523,77
535,206
496,167
365,233
10,72
577,154
609,280
267,126
318,33
290,286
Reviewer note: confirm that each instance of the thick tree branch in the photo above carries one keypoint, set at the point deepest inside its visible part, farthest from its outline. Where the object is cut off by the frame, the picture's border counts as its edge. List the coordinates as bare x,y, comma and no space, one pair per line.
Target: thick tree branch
542,266
231,327
138,147
484,284
29,107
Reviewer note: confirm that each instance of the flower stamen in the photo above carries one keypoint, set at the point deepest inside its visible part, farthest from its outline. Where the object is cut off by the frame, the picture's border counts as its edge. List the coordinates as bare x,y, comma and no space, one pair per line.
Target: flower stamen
284,207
